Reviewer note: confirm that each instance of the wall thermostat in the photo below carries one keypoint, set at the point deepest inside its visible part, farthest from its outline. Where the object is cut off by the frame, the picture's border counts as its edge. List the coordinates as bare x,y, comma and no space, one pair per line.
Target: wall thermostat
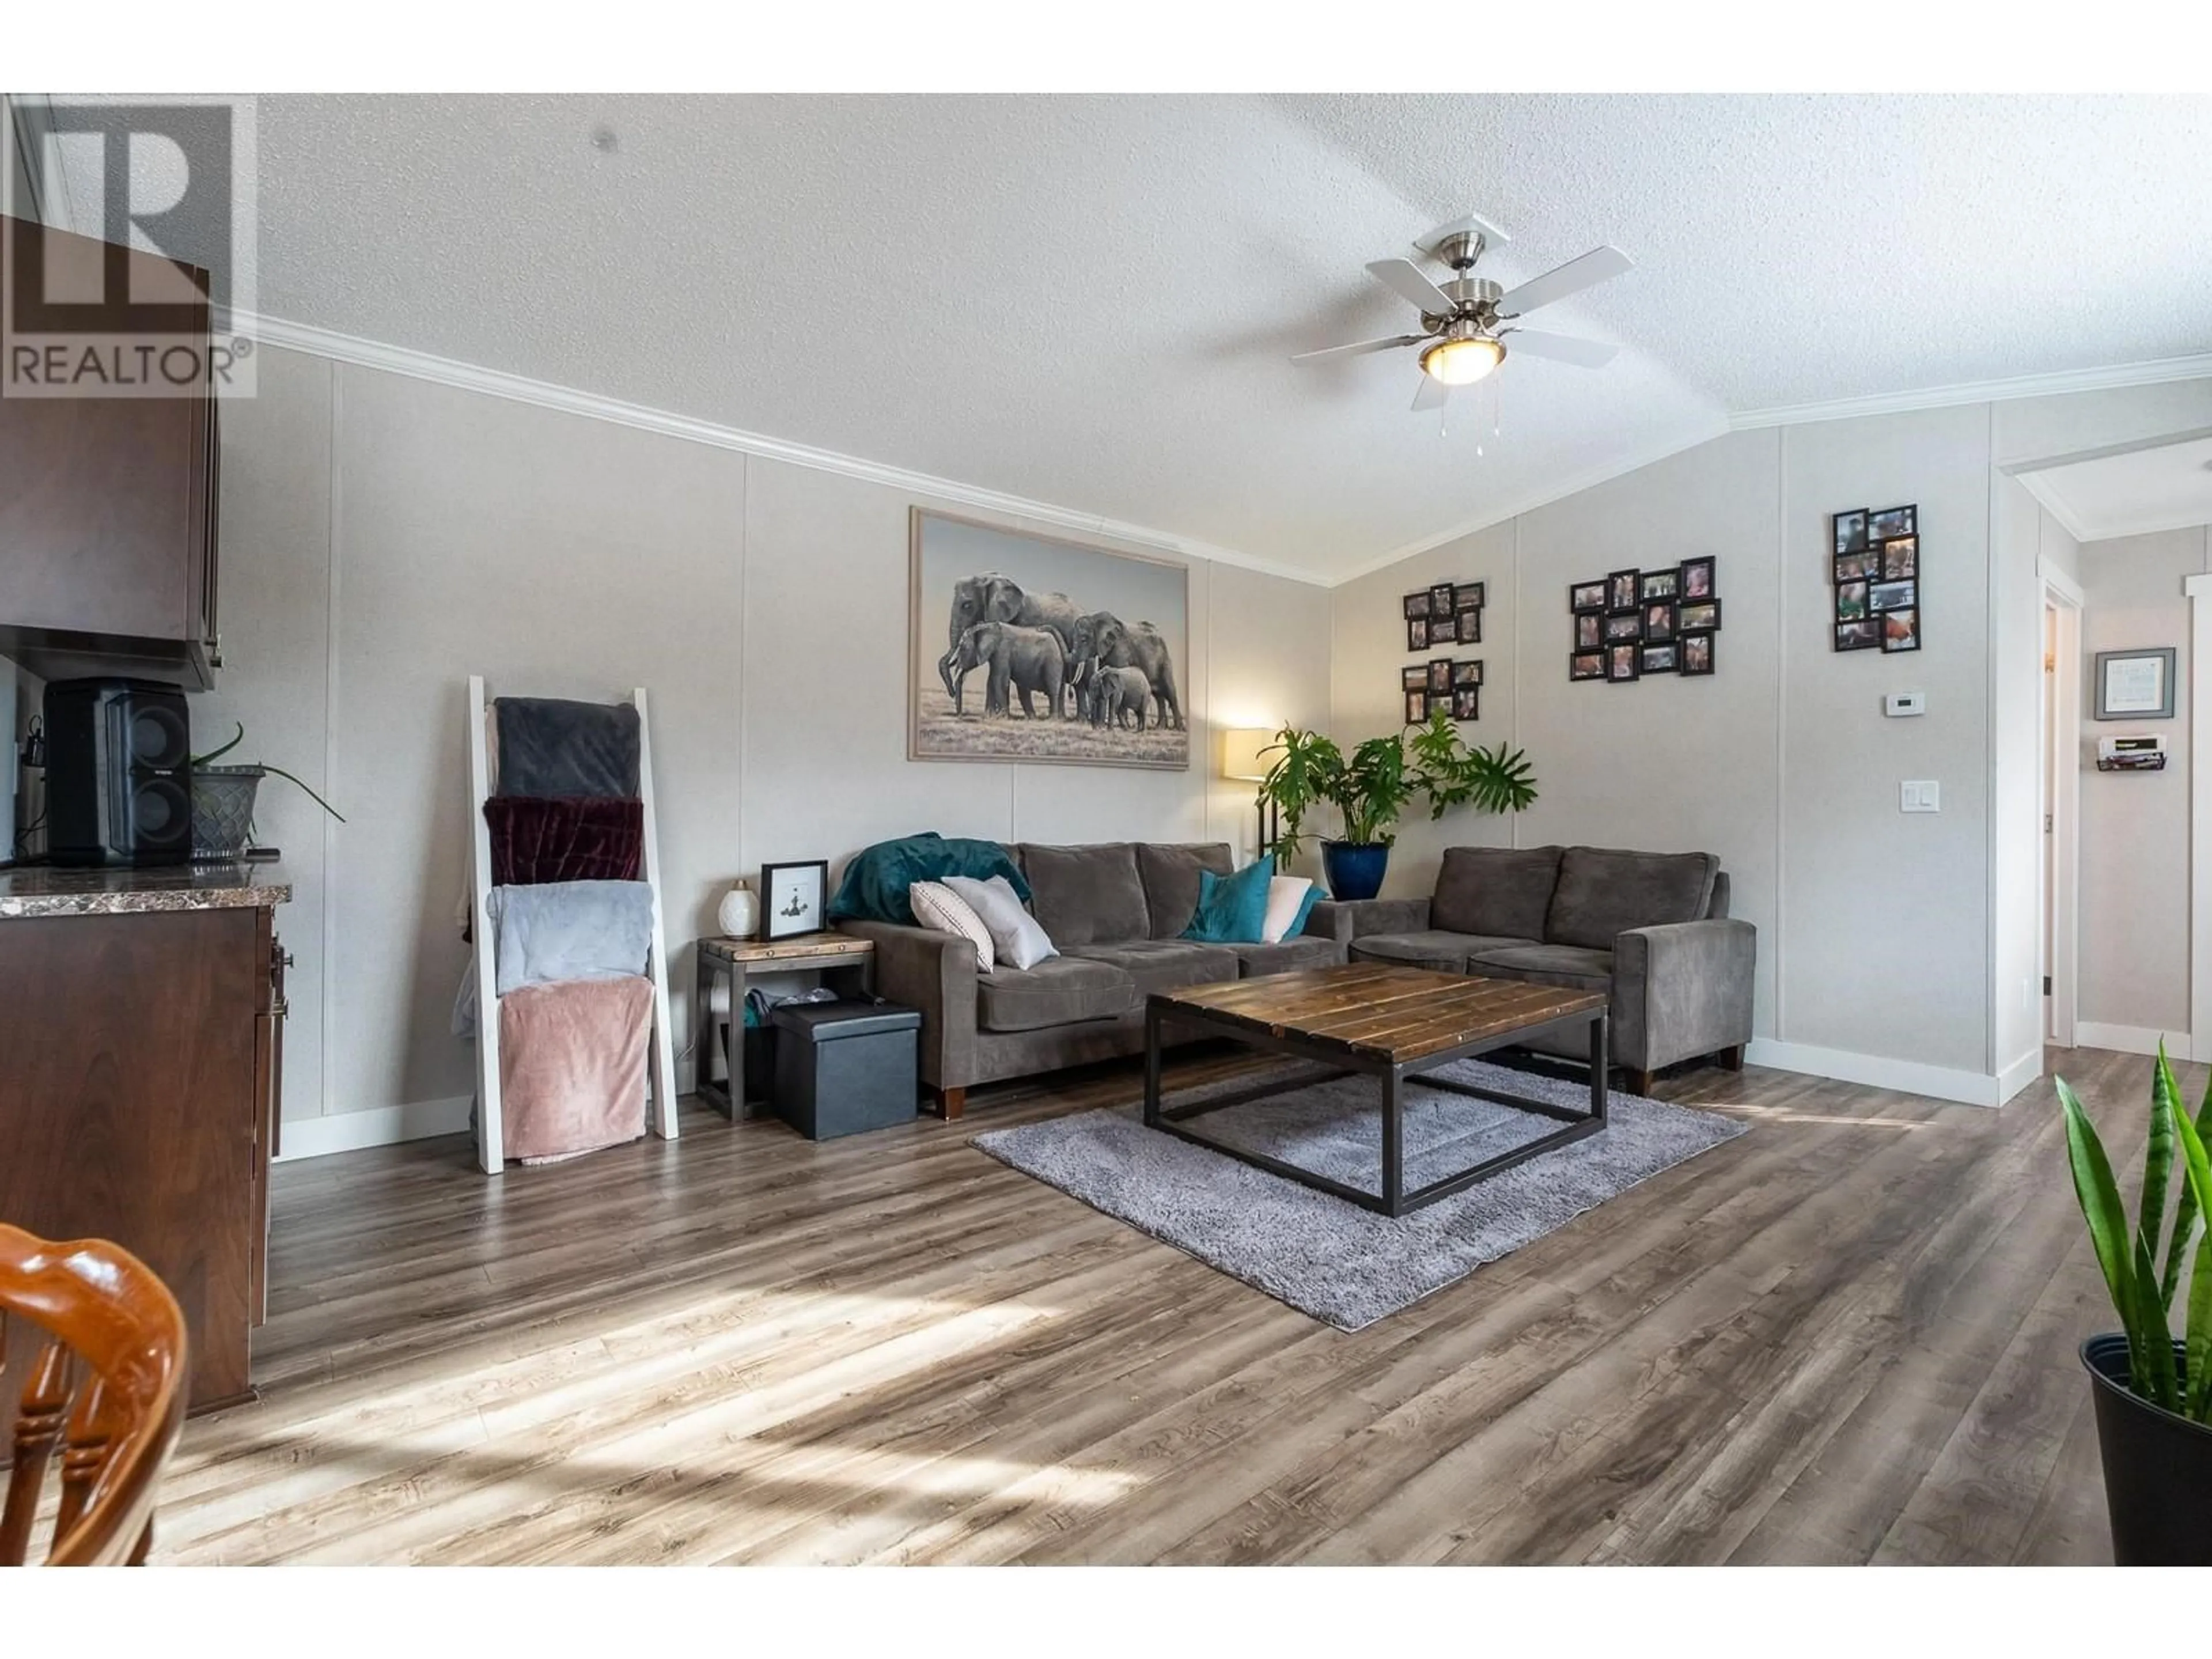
1905,702
2146,753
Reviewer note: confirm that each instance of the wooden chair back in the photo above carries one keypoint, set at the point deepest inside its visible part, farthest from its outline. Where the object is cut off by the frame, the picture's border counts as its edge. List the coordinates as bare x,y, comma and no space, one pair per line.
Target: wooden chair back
108,1386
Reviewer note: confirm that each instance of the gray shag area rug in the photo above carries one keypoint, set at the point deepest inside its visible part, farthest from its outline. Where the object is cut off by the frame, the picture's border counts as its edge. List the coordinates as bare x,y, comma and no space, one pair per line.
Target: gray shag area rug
1334,1261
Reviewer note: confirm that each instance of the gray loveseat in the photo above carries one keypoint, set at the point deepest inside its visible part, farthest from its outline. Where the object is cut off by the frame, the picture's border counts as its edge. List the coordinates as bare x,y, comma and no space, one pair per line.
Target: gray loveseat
1650,929
1115,911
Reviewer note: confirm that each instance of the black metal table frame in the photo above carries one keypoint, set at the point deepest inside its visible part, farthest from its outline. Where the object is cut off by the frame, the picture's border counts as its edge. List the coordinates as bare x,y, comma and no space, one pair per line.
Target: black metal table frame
1393,1200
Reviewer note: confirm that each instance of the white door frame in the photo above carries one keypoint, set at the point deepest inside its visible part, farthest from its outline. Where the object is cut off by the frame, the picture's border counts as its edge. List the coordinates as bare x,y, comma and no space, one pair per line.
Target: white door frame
2058,760
2199,589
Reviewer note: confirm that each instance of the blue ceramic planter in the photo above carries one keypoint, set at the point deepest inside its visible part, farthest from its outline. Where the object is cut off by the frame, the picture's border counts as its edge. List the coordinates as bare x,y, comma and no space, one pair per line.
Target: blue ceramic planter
1354,869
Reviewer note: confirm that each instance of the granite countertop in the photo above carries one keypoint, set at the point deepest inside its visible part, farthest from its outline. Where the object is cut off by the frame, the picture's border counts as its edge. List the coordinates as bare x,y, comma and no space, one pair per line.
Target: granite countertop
46,891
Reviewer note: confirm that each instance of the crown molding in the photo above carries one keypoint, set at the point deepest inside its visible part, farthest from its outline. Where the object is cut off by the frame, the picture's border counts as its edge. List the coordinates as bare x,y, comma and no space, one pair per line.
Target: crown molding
2049,501
2156,371
567,400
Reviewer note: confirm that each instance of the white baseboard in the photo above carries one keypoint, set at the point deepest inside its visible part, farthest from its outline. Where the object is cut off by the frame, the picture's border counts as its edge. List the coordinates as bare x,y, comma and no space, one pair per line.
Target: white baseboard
2017,1076
2130,1039
384,1126
1908,1076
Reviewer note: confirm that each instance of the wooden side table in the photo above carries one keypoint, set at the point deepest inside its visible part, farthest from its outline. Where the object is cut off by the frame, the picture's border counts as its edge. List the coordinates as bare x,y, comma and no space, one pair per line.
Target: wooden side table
738,957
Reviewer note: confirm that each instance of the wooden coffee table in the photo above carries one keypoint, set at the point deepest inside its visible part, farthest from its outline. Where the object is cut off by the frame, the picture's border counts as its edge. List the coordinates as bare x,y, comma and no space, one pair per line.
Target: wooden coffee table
1390,1024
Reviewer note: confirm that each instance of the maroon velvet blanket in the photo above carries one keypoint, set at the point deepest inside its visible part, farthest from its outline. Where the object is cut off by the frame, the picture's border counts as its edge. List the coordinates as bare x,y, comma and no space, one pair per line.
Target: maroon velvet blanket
564,838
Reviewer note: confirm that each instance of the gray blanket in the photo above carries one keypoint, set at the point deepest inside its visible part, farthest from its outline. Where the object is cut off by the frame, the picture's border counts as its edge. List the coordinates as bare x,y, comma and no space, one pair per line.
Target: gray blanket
550,746
571,930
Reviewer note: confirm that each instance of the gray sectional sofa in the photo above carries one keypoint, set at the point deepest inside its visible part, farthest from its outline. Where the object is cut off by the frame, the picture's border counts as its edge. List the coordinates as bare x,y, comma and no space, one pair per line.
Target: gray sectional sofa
1650,929
1115,912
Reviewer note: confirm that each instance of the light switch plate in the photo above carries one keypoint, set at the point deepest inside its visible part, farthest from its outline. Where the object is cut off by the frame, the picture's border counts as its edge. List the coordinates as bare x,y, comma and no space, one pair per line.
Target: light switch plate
1919,795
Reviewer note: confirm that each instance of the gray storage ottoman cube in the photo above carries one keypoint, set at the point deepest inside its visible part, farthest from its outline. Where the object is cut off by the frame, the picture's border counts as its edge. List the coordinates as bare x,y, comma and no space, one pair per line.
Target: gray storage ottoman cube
843,1067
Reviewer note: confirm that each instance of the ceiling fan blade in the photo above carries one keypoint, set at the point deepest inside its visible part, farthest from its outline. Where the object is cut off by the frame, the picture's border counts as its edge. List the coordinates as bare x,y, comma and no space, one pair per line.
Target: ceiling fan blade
1358,348
1433,394
1572,277
1406,280
1560,348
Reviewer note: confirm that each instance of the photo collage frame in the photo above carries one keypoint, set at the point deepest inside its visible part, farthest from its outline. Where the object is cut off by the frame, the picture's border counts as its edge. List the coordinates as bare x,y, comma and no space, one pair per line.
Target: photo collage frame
1875,569
1441,616
1635,623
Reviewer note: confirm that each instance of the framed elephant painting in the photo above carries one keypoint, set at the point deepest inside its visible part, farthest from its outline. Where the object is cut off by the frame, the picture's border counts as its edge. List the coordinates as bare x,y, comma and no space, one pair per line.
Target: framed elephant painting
1027,647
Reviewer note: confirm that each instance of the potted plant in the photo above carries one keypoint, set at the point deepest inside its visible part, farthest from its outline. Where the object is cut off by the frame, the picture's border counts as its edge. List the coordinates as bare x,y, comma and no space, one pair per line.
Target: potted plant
1371,788
222,801
2152,1390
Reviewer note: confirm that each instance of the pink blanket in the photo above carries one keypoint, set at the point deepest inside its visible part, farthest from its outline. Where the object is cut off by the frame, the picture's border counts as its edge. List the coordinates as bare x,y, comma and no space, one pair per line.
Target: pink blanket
572,1065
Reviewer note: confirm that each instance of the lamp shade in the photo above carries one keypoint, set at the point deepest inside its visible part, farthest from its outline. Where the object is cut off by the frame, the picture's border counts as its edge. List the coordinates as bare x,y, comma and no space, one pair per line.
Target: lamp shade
1240,753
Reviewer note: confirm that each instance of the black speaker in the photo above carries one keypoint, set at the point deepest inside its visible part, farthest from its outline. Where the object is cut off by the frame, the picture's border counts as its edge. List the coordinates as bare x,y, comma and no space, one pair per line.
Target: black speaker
118,773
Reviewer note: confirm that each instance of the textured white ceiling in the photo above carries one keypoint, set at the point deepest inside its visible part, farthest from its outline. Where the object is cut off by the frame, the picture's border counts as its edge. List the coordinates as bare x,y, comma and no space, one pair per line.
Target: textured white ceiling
1089,301
2166,487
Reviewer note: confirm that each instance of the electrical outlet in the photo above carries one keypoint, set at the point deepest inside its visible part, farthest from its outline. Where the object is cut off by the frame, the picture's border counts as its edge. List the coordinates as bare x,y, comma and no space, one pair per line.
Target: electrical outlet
1919,795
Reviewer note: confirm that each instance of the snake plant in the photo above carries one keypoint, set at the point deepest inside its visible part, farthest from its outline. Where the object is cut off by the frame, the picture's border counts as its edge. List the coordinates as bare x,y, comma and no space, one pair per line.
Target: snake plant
1371,788
2144,1282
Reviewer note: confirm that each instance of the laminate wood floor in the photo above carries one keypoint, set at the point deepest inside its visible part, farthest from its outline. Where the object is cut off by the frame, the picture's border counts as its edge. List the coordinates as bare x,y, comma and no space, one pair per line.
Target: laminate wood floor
1847,1336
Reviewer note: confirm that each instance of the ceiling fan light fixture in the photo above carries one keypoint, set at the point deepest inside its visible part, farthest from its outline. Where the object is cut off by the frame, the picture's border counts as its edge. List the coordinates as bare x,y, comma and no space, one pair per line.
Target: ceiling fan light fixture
1463,359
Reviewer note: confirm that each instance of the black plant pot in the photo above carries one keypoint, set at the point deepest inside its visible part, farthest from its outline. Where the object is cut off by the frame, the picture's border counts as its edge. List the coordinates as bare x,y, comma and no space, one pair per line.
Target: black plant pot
2157,1467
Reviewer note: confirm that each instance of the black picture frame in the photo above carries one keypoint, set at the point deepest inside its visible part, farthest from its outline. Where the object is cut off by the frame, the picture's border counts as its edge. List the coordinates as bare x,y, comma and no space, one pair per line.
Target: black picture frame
1860,634
775,922
1590,630
1697,617
1415,678
1892,596
1585,596
1699,577
1417,708
1857,566
1645,609
1623,663
1659,620
1440,599
1848,530
1417,633
1887,523
1417,605
1852,601
1586,665
1466,628
1440,677
1899,634
1623,590
1468,596
1659,584
1623,625
1698,651
1660,656
1900,559
1466,673
1466,703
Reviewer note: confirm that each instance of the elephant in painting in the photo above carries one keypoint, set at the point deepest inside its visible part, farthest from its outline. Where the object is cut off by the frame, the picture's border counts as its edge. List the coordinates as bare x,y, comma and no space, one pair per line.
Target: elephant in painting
1102,637
991,598
1028,660
1115,692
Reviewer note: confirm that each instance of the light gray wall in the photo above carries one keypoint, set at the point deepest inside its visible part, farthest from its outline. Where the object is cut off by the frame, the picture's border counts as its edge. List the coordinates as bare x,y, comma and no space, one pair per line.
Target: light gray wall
2134,963
384,536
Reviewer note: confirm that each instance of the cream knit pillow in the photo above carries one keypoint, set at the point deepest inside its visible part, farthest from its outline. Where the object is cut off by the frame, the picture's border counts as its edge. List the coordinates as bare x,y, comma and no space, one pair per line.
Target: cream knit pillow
936,905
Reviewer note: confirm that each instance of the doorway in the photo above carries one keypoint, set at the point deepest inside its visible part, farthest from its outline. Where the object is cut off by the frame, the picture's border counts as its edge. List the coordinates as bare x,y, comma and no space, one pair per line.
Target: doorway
2059,754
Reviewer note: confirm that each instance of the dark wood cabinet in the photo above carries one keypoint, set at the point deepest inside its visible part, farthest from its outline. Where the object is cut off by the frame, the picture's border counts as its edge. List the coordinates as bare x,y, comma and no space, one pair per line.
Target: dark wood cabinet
108,546
141,1058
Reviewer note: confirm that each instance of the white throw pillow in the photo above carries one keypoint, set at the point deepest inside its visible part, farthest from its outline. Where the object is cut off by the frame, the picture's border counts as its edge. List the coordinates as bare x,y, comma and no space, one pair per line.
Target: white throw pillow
1016,937
936,905
1285,894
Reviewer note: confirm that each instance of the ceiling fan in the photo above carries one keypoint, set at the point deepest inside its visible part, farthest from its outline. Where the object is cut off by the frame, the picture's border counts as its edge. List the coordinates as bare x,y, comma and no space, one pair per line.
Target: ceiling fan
1467,319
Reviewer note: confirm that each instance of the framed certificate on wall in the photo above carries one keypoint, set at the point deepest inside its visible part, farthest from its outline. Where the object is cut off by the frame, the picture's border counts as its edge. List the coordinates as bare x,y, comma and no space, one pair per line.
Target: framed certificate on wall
2136,685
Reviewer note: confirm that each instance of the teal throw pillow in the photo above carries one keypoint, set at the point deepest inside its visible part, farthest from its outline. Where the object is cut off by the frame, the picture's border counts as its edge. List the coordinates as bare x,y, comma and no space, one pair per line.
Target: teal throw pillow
1233,909
874,885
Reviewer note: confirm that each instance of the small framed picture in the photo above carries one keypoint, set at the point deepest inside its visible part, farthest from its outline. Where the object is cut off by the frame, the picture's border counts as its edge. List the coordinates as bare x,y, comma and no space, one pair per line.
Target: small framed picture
1469,628
1661,585
1465,674
1589,631
1892,596
1620,662
1891,522
1468,596
2136,685
1417,632
1623,626
1850,530
1659,619
1439,677
1900,558
1586,596
1440,599
1697,653
1586,665
1659,660
1900,629
1417,708
1860,636
1851,601
1417,605
1857,566
1698,616
1620,591
1415,678
1466,703
1698,577
791,897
